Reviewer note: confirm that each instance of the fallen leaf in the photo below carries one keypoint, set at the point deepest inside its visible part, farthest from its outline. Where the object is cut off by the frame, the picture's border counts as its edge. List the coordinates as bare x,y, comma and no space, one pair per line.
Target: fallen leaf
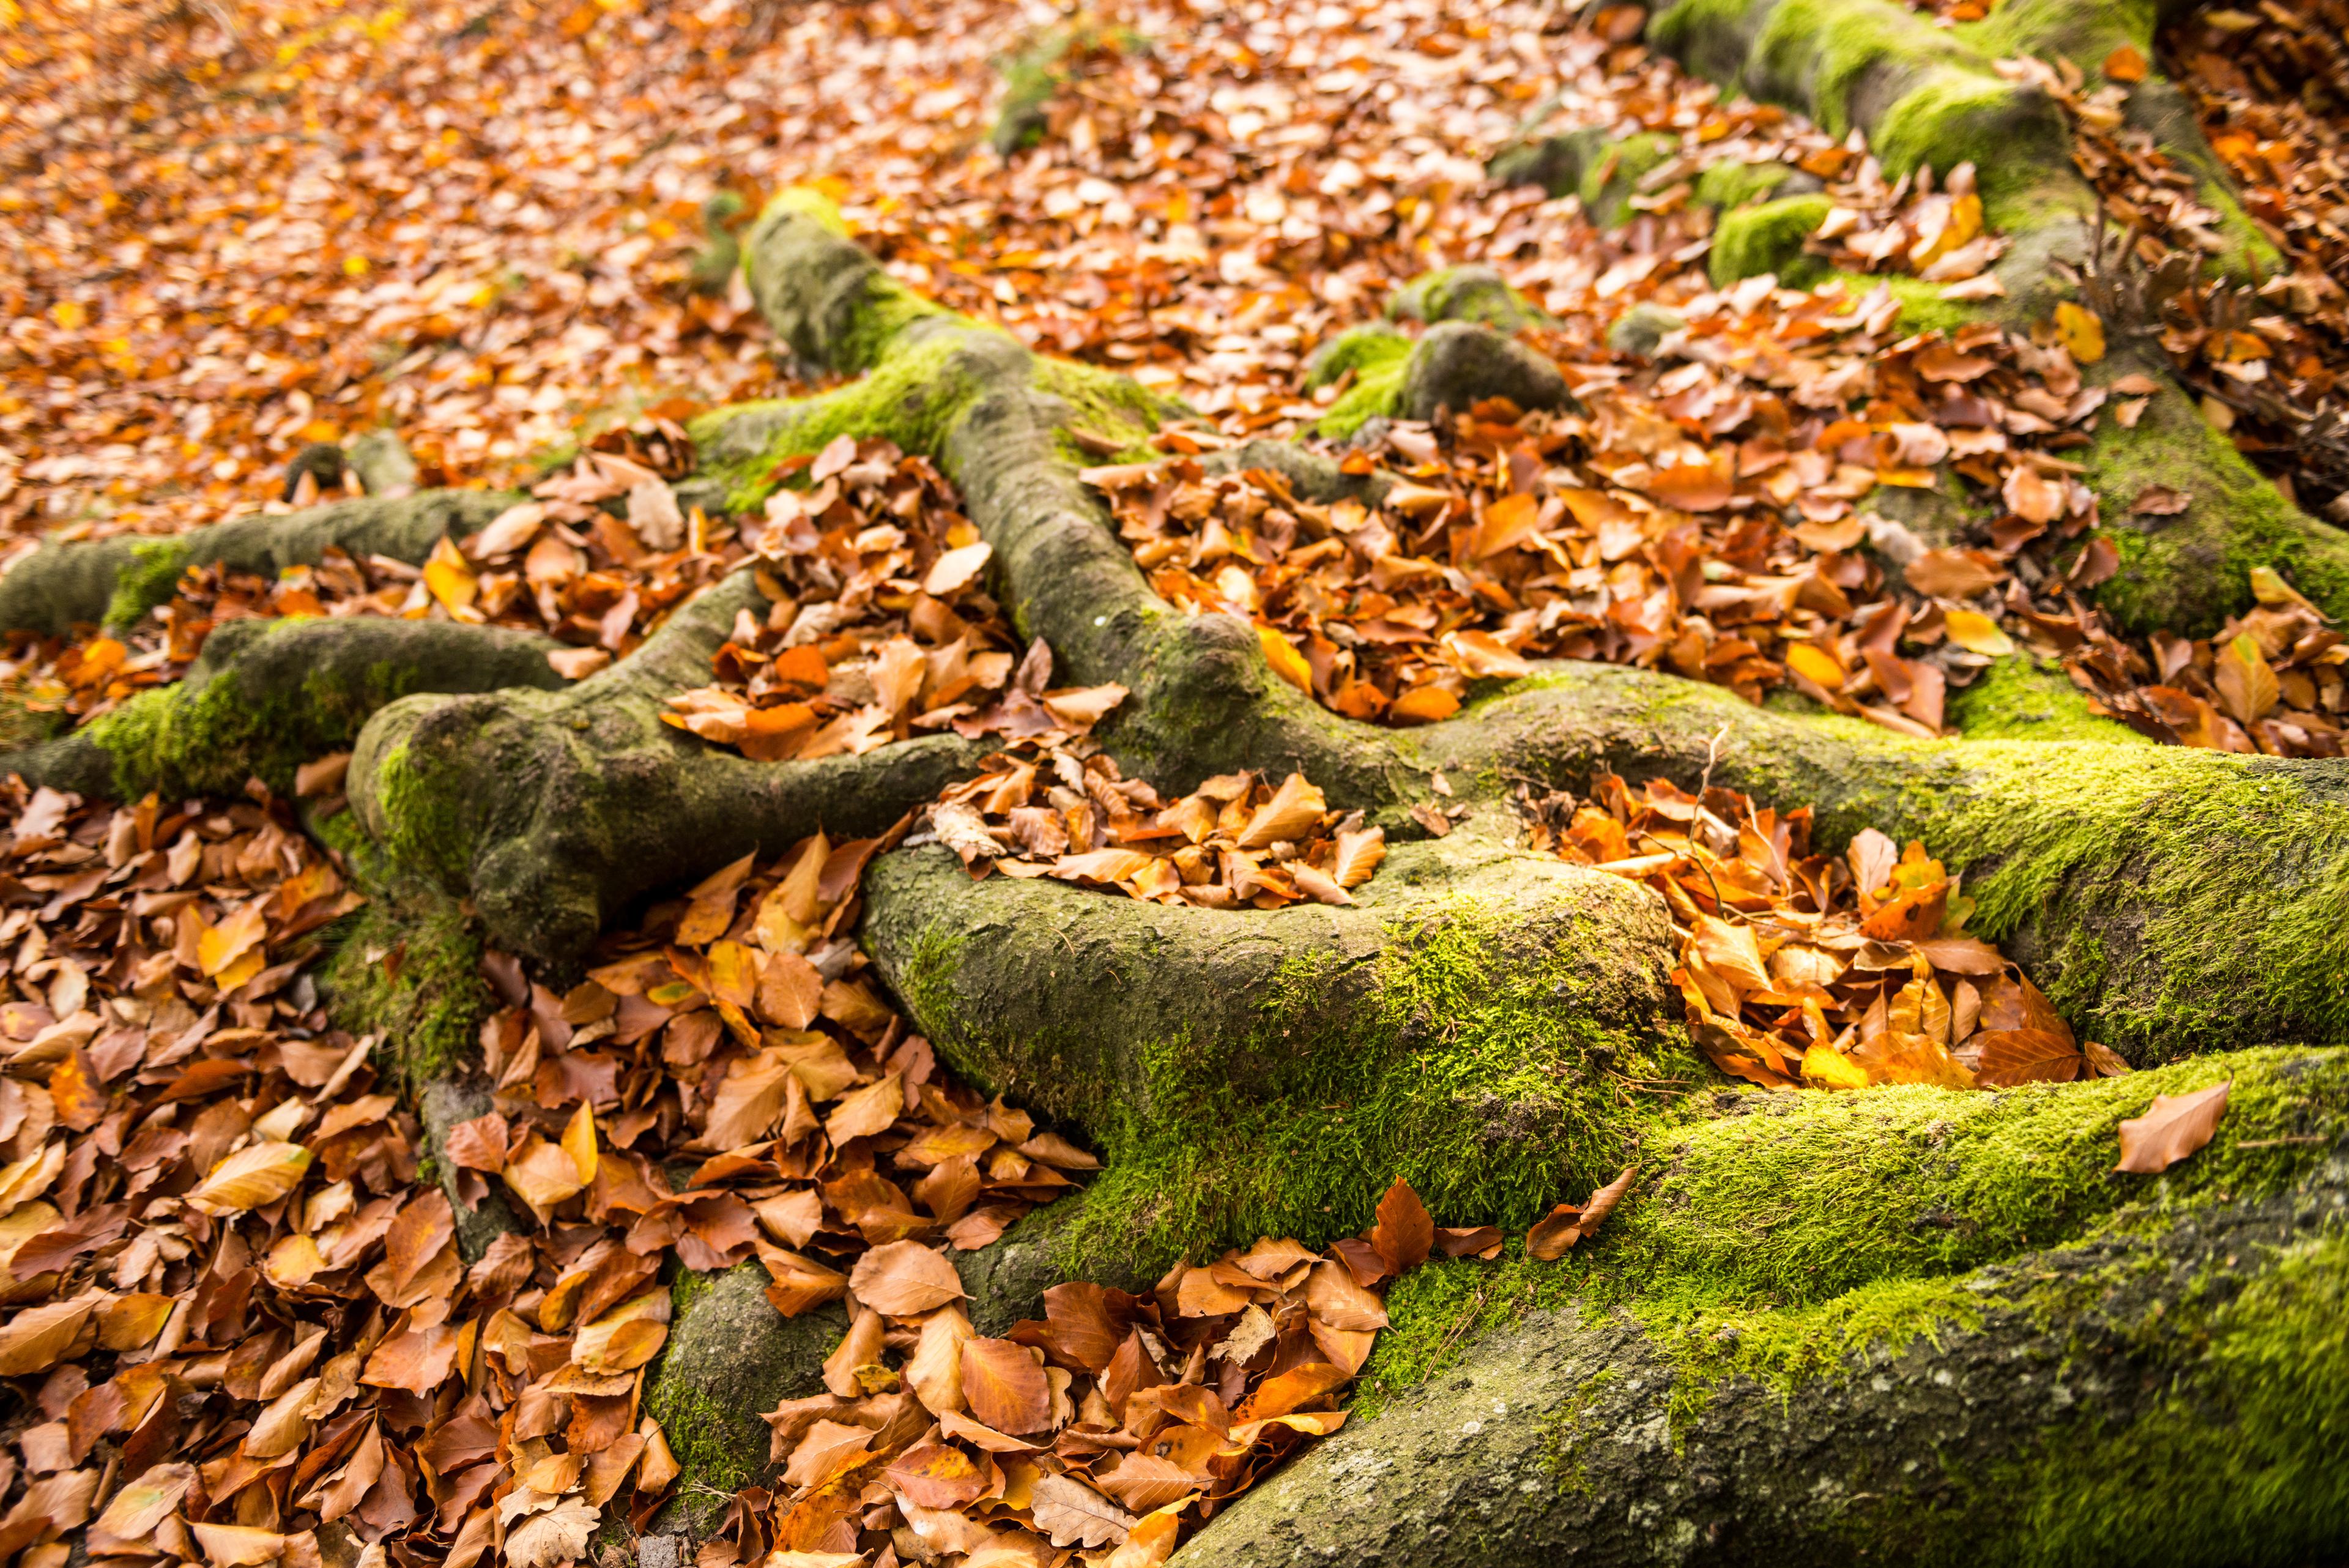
2174,1127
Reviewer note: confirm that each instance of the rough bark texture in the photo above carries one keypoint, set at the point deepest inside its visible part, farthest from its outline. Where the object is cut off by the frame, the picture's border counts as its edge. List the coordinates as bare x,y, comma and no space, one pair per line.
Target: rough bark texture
1904,1326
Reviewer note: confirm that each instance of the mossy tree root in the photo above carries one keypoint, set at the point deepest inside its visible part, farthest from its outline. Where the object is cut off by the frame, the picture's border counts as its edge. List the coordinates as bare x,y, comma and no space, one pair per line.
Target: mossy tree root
1482,1023
1910,1327
266,696
116,581
551,809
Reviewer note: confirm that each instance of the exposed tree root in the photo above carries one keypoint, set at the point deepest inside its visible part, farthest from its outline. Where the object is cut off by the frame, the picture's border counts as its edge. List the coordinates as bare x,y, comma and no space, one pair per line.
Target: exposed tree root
115,581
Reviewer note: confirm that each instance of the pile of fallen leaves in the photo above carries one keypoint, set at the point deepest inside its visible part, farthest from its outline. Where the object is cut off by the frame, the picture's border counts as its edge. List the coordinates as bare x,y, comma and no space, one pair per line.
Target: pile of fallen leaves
1115,1424
1237,841
1705,524
1832,971
2271,681
878,625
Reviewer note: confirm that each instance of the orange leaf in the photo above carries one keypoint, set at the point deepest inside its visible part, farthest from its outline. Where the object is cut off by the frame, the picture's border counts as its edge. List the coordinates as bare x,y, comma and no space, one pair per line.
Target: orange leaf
1404,1231
1005,1385
2175,1127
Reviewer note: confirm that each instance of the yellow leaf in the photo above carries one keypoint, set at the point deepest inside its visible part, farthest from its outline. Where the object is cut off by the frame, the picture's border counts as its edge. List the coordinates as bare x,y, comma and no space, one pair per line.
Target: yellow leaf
1824,1067
579,1143
221,946
450,579
1814,665
251,1178
2081,331
68,314
1977,633
1286,661
2246,682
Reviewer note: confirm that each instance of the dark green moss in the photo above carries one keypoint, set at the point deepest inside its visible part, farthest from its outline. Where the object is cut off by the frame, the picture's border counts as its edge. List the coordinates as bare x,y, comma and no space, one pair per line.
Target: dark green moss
408,970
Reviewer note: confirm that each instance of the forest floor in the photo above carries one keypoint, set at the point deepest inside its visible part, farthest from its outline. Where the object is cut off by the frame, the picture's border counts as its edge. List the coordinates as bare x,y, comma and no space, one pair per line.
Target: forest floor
244,1328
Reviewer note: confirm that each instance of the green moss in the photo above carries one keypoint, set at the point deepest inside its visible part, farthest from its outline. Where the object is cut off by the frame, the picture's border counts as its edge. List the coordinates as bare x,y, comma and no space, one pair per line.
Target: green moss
2190,574
2015,700
2264,1471
407,969
805,202
1468,1079
210,739
913,397
706,1438
1730,184
1107,404
1358,348
1613,179
421,830
1769,239
1437,1310
1374,394
1778,1243
151,579
1922,306
1475,293
1951,106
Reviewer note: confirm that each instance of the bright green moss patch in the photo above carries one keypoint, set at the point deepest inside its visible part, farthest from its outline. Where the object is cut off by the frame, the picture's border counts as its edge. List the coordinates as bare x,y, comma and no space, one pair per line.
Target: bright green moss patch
2189,574
2015,699
1732,184
1475,293
151,579
913,397
1438,1310
210,739
1469,1078
1104,403
420,829
1769,238
1374,394
1358,348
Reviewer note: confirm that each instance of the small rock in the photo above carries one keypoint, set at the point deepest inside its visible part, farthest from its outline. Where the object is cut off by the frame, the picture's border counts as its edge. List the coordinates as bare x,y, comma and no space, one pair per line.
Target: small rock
1457,364
1639,329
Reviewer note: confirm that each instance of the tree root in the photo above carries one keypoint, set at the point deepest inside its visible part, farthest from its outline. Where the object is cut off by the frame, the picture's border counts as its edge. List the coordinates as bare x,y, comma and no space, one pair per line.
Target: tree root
116,581
2133,1384
1478,1024
266,696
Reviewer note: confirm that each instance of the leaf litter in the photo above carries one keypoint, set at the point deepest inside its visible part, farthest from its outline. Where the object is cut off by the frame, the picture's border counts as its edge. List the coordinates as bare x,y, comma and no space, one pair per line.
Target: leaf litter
245,1334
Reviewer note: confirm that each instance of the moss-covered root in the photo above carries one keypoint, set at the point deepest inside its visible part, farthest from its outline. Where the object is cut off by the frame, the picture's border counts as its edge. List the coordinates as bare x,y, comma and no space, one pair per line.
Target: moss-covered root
1493,1027
2168,900
266,696
116,581
2164,1384
730,1356
1593,162
551,809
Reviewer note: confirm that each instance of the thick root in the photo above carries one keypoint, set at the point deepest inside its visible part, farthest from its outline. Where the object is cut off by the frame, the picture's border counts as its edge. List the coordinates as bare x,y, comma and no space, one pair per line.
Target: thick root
116,581
553,809
1768,1357
1484,1023
266,696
